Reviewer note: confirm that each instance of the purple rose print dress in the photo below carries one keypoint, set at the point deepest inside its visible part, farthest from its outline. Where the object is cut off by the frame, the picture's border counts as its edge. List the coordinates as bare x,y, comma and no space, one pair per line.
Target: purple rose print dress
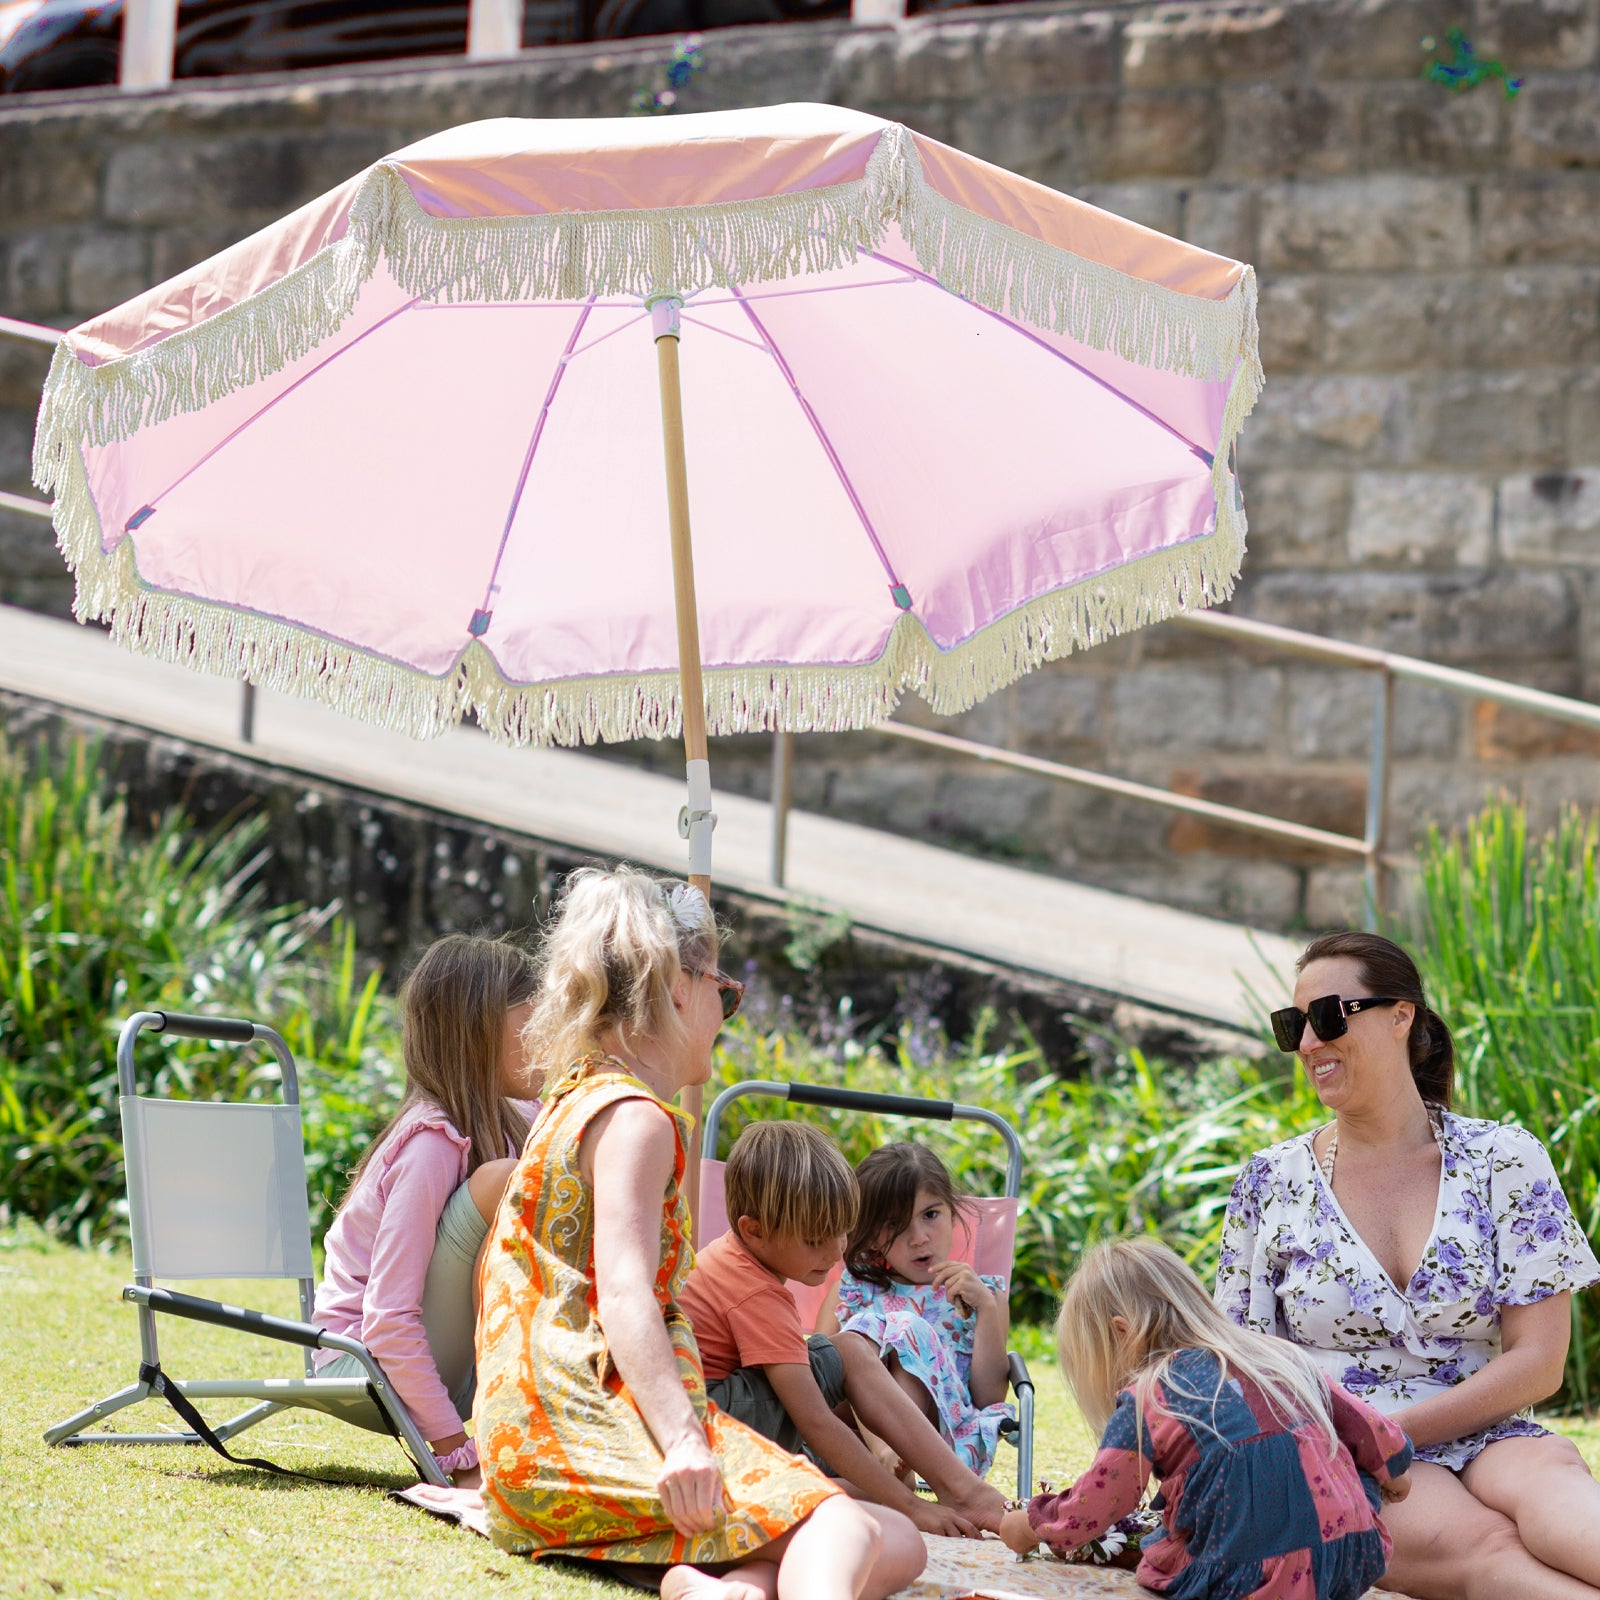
1503,1235
932,1336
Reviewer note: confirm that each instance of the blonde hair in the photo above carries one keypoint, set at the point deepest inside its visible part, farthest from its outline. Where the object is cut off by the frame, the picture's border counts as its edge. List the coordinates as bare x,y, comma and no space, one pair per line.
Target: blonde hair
618,944
453,1009
1167,1310
793,1179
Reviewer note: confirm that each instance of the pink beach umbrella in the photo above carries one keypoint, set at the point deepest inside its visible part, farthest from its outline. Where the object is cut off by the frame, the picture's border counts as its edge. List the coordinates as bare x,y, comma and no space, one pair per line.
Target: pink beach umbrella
407,451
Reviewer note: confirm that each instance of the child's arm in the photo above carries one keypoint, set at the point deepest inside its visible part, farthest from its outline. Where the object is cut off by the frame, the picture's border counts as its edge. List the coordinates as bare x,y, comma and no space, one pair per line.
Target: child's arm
1110,1490
989,1378
839,1445
828,1316
1378,1443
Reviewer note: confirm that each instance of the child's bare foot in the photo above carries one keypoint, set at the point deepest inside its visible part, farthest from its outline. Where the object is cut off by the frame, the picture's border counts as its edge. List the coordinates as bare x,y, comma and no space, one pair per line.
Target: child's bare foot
982,1505
690,1583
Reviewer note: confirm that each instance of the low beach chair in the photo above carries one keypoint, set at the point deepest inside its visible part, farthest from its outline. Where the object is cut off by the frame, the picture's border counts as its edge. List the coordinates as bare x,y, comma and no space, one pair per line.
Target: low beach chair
988,1246
218,1190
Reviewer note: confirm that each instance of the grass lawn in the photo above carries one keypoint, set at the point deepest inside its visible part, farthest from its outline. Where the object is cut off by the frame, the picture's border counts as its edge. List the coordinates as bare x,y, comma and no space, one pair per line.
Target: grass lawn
181,1522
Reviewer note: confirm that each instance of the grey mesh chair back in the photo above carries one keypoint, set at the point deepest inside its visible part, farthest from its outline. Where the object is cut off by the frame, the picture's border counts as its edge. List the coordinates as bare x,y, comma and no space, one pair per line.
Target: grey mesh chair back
218,1190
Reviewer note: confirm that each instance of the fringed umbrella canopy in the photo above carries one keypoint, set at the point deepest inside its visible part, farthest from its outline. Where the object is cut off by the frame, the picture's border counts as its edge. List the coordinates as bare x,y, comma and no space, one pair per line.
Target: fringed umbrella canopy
402,451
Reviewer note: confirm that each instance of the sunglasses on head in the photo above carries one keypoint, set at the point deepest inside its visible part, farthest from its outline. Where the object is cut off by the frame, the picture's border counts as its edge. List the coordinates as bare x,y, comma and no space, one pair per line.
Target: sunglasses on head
729,990
1326,1016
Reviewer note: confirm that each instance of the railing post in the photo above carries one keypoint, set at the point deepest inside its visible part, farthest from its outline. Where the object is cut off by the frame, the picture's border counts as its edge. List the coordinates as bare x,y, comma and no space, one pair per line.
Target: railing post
149,32
877,10
247,713
494,29
1378,795
782,795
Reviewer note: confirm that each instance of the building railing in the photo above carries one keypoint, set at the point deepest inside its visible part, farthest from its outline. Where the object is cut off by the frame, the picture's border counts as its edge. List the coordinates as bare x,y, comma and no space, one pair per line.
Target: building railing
1387,668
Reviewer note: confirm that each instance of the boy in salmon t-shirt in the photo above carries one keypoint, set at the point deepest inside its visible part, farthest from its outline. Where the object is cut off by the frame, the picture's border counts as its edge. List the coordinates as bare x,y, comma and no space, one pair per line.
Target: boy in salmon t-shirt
791,1199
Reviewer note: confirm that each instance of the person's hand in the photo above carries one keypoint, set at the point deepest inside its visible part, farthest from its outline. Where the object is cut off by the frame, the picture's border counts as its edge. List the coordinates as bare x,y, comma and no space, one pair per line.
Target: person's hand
690,1485
931,1517
961,1282
1018,1532
1396,1489
468,1477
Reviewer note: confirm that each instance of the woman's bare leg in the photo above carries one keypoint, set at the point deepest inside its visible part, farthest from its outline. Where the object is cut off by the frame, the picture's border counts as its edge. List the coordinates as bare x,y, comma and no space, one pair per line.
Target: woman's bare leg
754,1580
846,1550
1449,1545
1543,1485
887,1410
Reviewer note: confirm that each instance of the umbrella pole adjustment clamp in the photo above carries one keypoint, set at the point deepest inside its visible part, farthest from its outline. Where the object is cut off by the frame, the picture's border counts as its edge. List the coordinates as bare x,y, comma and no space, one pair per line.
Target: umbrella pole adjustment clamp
687,819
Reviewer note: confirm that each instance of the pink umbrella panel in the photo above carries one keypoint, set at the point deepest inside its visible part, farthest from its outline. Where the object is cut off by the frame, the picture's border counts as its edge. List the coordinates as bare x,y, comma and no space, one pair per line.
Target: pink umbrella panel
403,452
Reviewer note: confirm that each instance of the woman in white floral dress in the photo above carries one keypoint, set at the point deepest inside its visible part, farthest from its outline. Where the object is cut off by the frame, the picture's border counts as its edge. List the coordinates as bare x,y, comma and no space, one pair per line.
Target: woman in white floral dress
1428,1262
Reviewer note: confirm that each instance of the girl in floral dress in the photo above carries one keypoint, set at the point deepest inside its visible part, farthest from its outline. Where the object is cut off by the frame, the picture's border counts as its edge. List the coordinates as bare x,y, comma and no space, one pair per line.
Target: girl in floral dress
595,1436
936,1323
1426,1261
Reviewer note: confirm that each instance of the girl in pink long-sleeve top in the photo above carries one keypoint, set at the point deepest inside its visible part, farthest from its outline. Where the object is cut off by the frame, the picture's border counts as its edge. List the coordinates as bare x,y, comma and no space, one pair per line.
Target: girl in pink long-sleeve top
1271,1478
400,1261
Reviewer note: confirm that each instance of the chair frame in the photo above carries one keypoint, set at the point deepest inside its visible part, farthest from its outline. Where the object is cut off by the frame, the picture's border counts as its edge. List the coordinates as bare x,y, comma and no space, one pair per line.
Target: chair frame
333,1396
903,1105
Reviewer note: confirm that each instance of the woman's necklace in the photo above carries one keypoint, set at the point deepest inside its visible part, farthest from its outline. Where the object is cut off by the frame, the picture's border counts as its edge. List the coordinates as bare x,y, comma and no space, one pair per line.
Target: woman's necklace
1326,1159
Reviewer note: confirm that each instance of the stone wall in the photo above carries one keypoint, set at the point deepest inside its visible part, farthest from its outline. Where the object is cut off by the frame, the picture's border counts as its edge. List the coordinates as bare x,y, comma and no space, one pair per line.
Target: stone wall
1423,472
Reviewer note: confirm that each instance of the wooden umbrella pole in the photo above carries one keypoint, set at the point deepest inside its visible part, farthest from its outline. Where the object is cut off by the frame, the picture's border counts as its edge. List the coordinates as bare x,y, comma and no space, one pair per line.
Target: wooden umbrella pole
691,691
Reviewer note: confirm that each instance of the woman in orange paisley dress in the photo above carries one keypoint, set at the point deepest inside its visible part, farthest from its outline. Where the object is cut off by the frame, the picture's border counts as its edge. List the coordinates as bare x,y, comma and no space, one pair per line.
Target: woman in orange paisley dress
594,1433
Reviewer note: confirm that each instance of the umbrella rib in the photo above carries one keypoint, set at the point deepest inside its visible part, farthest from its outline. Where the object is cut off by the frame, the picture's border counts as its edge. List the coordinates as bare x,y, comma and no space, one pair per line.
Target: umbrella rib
145,511
896,588
1060,355
480,620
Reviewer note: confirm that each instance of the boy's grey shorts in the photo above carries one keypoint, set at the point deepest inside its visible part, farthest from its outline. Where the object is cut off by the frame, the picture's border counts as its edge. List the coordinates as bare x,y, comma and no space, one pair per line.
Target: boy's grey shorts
747,1395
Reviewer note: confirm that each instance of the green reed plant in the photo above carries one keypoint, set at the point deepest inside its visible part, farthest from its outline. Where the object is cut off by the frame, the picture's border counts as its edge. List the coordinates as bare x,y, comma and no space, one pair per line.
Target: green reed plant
98,919
1509,948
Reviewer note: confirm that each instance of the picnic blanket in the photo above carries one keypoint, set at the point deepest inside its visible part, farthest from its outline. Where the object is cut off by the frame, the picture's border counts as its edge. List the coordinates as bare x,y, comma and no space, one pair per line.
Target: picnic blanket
958,1569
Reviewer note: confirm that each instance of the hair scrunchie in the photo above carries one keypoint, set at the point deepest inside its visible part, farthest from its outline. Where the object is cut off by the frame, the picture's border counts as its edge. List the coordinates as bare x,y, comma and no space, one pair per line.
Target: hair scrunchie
459,1459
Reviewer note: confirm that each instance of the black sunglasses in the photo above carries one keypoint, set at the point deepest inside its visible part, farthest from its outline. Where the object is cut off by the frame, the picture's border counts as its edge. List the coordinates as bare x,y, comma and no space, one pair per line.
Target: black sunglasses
1326,1016
729,990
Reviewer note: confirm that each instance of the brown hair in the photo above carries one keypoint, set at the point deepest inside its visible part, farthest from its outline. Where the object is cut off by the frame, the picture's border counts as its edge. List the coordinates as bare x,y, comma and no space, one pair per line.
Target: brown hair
793,1179
1387,970
890,1179
452,1015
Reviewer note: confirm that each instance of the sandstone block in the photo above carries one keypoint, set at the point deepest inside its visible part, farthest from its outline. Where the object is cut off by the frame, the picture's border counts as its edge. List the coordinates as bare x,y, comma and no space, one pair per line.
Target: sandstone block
1149,135
1379,224
921,62
1539,33
1366,39
1336,897
1494,419
105,269
1587,583
1295,129
1337,420
1099,829
1421,519
46,179
1552,517
1222,217
1260,893
1297,518
1046,54
1555,122
1331,716
1532,217
1036,136
1420,127
32,573
1381,322
175,250
1329,799
1057,705
16,450
248,175
1502,733
33,268
1182,709
1153,205
1501,621
1291,319
1172,46
1583,415
23,369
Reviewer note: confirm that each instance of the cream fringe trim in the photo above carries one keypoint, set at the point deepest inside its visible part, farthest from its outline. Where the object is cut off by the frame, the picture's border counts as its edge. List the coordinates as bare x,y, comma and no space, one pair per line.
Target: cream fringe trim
568,256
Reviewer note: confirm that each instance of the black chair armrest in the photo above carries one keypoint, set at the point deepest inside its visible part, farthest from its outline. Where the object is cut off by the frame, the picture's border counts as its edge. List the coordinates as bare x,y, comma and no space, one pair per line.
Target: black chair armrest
1017,1370
225,1316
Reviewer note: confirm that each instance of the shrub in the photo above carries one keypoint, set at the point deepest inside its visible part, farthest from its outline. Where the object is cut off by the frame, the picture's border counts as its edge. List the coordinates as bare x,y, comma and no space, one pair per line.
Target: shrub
97,921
